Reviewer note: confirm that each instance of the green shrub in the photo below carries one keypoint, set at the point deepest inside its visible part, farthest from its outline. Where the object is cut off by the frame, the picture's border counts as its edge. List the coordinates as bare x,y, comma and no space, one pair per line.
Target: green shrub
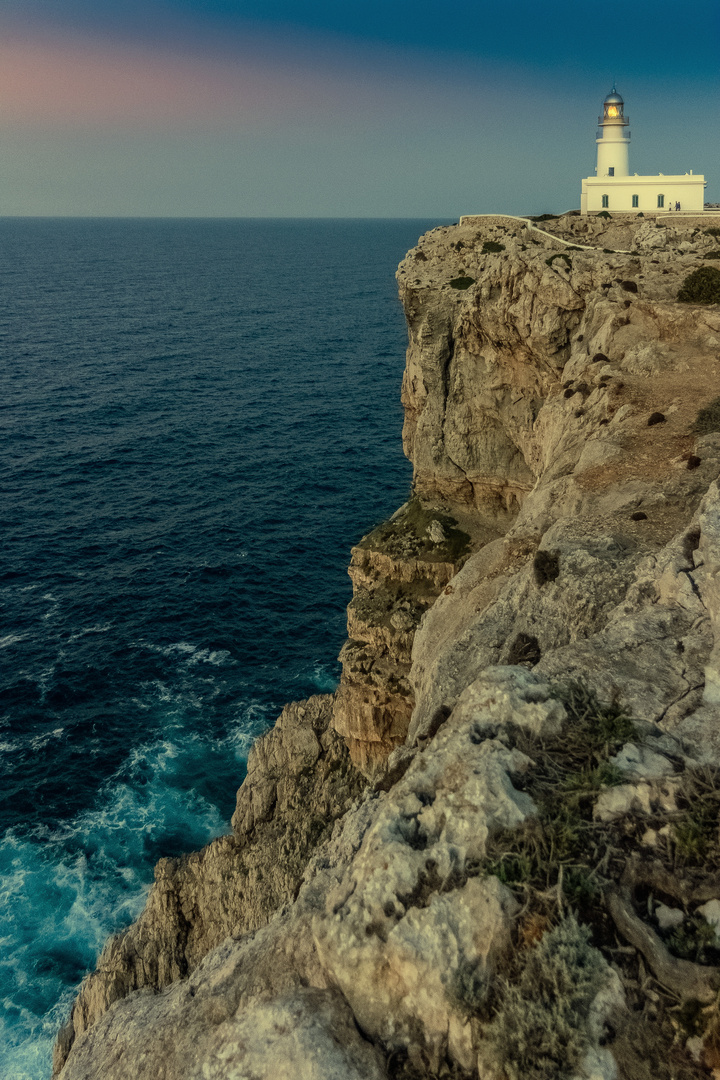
694,940
562,846
588,779
492,246
708,419
544,217
560,255
603,724
714,231
701,287
712,255
604,213
462,282
695,829
540,1031
641,214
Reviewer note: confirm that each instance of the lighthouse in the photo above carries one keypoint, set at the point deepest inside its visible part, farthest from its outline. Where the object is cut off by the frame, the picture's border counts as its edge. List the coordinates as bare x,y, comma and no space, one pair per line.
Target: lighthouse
613,139
614,190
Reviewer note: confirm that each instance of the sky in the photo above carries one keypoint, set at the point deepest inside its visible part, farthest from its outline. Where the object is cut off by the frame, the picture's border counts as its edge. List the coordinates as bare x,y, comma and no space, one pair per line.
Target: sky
319,108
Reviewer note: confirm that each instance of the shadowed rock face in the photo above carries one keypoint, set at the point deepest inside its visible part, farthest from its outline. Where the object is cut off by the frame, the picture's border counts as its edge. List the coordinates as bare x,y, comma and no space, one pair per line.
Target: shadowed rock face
555,526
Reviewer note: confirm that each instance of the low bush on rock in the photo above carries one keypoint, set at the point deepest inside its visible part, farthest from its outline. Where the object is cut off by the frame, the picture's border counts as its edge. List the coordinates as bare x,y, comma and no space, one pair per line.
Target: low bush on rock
546,566
558,852
409,534
492,247
708,419
701,287
540,1031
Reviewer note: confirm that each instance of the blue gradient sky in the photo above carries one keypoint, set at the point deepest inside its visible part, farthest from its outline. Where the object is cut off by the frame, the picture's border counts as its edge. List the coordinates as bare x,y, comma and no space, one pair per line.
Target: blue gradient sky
408,108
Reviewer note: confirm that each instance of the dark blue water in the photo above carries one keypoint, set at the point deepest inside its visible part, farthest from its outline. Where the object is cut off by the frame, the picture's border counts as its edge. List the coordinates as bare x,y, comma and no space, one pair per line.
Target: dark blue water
198,418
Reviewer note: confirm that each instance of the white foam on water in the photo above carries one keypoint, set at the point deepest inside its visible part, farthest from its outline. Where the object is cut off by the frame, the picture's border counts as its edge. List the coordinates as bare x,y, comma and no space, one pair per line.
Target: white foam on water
11,639
63,891
193,654
250,721
216,657
324,678
39,741
101,629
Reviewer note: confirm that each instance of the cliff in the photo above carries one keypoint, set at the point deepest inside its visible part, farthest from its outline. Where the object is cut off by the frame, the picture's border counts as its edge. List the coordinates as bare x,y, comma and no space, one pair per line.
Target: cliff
495,852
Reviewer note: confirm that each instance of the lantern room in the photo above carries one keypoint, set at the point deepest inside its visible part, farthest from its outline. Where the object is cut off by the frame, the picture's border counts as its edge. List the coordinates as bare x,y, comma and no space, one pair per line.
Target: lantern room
613,110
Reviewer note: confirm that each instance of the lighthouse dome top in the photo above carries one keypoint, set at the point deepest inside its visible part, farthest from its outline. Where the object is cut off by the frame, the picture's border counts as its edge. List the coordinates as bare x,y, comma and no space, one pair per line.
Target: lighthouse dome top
613,110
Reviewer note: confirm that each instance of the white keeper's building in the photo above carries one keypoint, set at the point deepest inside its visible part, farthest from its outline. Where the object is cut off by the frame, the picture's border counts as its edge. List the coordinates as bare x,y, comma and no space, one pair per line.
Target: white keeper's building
615,190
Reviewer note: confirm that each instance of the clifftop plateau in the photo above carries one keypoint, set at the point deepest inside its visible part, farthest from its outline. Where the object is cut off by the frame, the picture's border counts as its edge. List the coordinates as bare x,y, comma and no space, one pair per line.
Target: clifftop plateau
494,853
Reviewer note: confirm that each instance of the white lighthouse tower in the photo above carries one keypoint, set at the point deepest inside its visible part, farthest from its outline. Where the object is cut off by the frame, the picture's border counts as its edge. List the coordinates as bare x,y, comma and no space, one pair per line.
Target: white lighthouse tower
613,139
614,190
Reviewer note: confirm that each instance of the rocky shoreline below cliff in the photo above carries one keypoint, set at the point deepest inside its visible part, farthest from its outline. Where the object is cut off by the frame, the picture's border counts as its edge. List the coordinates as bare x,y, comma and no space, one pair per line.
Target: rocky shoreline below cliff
494,852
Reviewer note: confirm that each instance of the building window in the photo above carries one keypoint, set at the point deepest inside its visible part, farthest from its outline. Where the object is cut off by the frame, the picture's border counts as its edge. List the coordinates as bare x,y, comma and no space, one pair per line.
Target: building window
605,202
611,171
661,201
636,200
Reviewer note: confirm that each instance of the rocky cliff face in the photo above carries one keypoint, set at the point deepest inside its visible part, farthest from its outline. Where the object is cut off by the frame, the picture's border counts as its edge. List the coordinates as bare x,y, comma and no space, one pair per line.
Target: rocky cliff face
530,884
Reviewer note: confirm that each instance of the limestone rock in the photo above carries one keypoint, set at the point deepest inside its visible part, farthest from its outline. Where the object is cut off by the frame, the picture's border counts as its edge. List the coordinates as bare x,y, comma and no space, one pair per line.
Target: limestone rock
641,798
527,398
608,1005
404,927
391,915
668,918
642,762
397,572
710,911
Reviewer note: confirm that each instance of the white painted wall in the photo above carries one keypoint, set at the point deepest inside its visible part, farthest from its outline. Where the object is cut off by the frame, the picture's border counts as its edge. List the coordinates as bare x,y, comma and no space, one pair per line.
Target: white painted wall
687,189
612,151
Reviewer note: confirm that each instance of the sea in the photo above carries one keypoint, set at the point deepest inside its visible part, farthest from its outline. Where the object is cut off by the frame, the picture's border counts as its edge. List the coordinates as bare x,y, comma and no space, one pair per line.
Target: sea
198,418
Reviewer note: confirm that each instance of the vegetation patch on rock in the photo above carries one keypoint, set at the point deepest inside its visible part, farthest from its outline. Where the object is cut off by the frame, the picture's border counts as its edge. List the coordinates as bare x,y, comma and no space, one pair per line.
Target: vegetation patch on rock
419,531
701,287
540,1031
570,859
708,419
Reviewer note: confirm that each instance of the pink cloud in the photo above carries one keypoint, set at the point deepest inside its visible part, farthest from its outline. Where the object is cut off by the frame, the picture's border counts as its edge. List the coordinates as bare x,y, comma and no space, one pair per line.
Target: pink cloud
51,82
91,83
